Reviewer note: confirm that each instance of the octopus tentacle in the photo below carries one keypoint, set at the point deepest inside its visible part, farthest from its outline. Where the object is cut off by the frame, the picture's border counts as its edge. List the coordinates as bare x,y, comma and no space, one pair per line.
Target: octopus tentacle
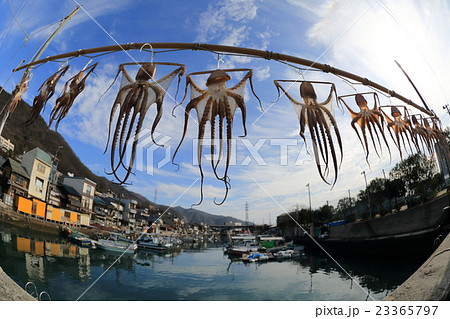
191,105
201,133
159,102
118,101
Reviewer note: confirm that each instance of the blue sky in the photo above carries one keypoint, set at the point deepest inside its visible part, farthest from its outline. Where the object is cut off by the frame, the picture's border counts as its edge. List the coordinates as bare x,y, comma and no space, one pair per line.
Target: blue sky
363,37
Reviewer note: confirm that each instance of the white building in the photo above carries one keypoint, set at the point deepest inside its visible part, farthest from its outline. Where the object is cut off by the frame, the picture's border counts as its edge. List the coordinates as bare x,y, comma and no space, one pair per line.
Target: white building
37,164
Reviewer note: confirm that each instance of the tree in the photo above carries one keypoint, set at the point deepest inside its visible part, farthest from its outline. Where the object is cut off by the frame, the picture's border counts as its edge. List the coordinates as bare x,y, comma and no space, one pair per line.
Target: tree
324,214
416,171
376,191
344,208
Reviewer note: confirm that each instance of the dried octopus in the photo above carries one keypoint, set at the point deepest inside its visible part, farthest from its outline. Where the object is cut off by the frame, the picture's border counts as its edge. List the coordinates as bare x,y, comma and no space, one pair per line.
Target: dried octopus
17,93
422,138
73,87
133,101
320,121
47,90
370,119
401,127
216,101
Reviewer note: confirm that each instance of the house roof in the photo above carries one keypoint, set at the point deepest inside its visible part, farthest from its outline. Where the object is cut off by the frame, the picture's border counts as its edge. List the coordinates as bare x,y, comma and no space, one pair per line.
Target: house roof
82,178
70,190
42,155
102,202
18,169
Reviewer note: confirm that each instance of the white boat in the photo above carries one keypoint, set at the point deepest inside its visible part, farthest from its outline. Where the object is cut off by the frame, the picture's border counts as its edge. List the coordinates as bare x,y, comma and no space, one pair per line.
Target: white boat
282,254
113,243
153,242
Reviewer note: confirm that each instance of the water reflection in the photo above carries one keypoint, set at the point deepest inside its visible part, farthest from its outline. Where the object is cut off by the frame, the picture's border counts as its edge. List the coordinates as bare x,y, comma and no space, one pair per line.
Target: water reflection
196,271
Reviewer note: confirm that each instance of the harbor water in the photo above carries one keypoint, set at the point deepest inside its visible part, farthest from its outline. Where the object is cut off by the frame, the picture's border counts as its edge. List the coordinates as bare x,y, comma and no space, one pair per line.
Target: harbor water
190,272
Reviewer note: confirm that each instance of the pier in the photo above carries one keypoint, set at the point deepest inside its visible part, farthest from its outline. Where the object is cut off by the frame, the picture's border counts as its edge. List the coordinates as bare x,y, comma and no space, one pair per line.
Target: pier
10,291
431,282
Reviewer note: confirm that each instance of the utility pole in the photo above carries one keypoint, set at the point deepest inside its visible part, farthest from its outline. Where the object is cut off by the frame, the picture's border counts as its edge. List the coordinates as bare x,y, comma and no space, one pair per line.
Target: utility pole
368,193
26,73
445,107
350,203
311,231
246,213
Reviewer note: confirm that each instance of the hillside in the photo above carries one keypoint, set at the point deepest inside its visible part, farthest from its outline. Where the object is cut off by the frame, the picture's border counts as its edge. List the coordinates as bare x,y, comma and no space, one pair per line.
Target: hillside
197,216
39,135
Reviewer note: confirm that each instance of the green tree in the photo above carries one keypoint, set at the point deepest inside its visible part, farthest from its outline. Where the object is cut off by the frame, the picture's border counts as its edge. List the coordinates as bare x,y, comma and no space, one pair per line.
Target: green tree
417,172
344,208
376,192
324,214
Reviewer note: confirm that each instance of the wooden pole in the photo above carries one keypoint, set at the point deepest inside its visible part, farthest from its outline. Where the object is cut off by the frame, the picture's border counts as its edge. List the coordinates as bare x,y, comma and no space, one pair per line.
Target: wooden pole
269,55
38,54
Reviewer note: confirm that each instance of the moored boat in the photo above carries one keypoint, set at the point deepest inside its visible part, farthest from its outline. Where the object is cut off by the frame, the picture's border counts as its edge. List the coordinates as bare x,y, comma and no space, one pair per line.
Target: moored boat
112,243
153,243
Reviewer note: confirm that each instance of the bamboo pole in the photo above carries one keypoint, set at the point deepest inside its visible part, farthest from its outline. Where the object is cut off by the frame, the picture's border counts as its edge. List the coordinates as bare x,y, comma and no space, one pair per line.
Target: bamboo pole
38,54
269,55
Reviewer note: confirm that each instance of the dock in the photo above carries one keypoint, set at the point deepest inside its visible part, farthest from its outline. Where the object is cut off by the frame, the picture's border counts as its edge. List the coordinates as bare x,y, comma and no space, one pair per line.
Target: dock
431,282
10,291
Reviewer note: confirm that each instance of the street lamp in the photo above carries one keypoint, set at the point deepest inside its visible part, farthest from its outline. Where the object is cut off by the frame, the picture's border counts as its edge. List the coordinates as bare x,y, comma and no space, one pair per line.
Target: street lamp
368,193
310,211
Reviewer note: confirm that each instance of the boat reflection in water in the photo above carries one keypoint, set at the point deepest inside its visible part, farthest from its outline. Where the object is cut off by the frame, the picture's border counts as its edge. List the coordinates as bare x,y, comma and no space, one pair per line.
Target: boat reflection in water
197,271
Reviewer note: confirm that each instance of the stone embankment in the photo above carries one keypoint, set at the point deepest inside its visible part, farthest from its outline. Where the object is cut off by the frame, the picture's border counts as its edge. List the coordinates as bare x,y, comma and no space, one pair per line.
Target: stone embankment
10,291
431,282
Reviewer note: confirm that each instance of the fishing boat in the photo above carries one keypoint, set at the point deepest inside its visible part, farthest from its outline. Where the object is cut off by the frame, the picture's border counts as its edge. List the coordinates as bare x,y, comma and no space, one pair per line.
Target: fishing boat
114,244
79,238
412,232
153,243
270,241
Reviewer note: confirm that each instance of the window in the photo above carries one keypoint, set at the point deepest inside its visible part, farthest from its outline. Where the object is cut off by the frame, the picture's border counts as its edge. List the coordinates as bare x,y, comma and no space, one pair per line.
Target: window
39,184
40,168
88,189
19,180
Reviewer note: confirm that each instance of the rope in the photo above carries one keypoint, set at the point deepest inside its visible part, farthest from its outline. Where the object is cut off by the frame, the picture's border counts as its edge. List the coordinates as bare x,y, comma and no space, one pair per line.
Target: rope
17,21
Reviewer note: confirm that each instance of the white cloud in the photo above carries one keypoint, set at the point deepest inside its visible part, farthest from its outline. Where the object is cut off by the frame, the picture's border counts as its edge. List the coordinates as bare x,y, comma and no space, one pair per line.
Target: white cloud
227,22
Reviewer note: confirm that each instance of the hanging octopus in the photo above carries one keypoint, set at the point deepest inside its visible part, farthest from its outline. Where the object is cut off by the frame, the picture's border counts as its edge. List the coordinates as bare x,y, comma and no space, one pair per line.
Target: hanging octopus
216,101
421,136
320,121
73,87
133,101
401,127
370,119
47,90
17,93
435,134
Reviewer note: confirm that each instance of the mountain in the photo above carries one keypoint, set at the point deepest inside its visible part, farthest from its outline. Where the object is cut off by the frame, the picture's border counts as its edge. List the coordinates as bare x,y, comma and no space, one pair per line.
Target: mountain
197,216
39,135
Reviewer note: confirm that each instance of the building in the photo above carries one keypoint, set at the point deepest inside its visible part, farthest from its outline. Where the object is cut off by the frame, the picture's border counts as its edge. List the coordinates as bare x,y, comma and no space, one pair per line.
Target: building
69,198
128,216
14,180
38,165
6,144
85,187
105,211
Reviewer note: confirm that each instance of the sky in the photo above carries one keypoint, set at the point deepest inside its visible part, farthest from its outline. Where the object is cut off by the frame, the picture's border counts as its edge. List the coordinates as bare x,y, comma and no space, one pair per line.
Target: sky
271,166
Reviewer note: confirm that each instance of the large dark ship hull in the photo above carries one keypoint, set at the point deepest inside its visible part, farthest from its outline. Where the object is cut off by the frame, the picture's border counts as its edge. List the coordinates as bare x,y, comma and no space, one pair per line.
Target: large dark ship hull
413,232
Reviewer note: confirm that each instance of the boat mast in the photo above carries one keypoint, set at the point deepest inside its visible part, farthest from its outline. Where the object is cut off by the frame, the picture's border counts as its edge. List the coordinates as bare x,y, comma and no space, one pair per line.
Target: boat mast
26,73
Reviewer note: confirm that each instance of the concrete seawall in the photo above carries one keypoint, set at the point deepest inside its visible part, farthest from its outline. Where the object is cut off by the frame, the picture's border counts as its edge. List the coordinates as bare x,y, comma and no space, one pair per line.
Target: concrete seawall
431,282
10,291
